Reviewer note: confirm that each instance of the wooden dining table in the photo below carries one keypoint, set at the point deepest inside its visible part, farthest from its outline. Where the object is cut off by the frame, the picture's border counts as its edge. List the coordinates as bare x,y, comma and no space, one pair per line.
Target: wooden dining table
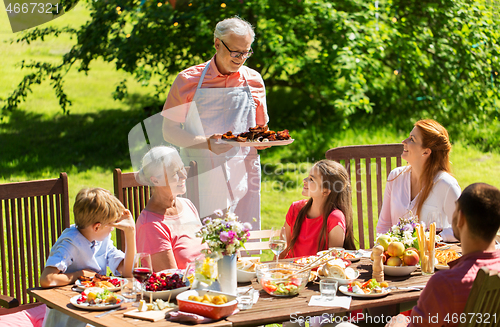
268,309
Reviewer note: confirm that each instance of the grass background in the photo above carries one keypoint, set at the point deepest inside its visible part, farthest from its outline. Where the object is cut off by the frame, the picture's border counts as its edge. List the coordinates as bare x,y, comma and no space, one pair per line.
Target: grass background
38,141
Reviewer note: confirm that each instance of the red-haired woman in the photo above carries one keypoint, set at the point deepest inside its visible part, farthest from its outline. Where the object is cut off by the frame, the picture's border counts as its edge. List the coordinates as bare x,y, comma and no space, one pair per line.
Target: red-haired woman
425,186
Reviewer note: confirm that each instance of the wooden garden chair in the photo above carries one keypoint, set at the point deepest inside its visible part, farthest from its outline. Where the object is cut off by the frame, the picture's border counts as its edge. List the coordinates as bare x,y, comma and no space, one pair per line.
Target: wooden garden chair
32,216
256,243
135,196
366,155
484,299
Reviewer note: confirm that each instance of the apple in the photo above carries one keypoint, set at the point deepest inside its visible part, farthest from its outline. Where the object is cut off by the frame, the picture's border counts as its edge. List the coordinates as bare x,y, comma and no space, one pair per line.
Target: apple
384,257
410,258
384,240
396,249
394,261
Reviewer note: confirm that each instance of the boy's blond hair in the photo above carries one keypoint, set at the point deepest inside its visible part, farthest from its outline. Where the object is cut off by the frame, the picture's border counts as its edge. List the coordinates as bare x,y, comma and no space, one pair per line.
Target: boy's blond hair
96,205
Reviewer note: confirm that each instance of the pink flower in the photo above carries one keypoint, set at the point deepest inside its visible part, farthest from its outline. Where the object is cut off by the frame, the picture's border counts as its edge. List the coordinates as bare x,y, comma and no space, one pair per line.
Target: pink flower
224,236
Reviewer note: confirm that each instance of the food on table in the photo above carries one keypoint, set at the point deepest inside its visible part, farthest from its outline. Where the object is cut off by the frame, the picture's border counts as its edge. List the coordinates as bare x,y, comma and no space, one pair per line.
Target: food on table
337,268
446,256
210,299
157,305
307,260
248,264
99,281
396,255
257,134
369,287
289,287
163,282
283,278
98,297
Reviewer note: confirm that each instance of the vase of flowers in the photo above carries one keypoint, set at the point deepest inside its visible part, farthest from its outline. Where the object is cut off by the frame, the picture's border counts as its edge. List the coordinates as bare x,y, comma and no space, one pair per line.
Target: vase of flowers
225,235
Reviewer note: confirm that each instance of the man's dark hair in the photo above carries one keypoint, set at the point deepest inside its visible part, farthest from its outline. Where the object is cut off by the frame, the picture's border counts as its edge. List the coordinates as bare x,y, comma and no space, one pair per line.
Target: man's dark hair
480,204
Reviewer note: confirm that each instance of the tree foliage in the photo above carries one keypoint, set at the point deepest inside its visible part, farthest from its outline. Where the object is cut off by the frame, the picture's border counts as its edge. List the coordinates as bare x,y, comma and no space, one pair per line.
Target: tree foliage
336,60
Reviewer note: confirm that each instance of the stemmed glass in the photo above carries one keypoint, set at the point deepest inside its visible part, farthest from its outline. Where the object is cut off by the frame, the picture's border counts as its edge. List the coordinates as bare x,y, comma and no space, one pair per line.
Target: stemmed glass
142,269
277,241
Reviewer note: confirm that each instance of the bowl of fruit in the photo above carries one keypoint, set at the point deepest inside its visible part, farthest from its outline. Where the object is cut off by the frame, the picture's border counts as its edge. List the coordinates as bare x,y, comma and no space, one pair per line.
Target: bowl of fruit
211,304
165,284
282,279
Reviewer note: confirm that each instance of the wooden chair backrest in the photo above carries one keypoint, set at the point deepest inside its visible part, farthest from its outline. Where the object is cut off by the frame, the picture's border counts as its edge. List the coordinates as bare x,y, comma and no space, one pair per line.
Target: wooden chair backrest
255,242
483,300
135,196
33,215
362,155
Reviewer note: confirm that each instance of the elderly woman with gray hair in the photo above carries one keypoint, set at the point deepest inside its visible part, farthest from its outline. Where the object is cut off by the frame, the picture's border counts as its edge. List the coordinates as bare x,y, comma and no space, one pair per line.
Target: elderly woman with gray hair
166,227
210,99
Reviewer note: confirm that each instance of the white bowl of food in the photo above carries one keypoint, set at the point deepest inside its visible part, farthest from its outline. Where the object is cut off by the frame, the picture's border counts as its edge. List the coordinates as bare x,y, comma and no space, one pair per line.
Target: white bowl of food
399,270
246,269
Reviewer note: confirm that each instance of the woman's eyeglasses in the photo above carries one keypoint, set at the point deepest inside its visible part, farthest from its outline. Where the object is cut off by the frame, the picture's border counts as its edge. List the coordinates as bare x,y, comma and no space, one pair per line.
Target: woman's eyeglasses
237,54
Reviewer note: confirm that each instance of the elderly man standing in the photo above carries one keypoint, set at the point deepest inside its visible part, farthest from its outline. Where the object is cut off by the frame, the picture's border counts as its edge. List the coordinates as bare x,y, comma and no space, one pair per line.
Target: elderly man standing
210,99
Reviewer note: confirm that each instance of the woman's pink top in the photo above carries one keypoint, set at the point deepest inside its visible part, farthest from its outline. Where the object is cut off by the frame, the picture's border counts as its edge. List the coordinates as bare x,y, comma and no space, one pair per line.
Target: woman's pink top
157,233
307,243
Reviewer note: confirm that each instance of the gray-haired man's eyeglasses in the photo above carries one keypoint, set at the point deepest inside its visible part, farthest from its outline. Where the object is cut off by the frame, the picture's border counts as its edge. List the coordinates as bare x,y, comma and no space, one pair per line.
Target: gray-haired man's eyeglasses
237,54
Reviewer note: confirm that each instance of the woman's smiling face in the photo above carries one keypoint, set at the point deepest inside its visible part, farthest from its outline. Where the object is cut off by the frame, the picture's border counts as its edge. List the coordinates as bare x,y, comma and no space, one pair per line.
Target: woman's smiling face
413,150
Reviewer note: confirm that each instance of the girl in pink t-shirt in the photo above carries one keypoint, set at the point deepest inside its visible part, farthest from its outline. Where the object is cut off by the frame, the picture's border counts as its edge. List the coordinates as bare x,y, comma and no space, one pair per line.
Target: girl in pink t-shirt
167,226
325,220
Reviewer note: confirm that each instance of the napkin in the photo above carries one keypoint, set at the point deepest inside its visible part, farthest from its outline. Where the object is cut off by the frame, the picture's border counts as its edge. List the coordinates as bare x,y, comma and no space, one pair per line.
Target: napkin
338,301
365,253
193,318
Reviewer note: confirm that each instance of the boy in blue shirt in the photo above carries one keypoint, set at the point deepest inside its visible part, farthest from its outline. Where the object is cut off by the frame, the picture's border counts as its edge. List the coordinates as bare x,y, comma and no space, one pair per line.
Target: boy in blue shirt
86,248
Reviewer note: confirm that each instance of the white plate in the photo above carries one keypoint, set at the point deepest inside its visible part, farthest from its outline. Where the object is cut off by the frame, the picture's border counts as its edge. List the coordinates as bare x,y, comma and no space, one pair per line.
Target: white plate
399,270
341,281
88,306
254,144
343,289
80,287
357,255
441,267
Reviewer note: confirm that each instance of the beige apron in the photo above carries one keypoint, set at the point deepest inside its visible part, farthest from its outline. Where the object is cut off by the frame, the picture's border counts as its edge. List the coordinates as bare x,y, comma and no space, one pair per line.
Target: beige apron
231,179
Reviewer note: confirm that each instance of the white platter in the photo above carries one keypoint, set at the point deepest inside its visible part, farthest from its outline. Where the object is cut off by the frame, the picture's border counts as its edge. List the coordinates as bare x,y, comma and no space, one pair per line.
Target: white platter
95,307
399,270
343,289
80,287
254,144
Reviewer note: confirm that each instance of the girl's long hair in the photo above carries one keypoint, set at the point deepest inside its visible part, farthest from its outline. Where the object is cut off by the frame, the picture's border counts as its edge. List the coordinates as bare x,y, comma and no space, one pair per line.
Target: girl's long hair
334,178
434,137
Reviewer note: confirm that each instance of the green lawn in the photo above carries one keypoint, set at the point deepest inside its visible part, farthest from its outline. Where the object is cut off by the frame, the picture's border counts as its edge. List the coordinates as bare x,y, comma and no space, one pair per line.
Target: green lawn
39,141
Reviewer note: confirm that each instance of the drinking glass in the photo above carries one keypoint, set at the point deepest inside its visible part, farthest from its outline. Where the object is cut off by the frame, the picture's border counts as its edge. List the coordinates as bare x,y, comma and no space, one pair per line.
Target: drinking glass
142,269
245,297
129,289
437,217
277,241
328,289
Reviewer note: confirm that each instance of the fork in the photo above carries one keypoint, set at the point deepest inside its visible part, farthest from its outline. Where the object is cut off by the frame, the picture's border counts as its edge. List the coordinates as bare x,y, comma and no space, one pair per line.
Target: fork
409,288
